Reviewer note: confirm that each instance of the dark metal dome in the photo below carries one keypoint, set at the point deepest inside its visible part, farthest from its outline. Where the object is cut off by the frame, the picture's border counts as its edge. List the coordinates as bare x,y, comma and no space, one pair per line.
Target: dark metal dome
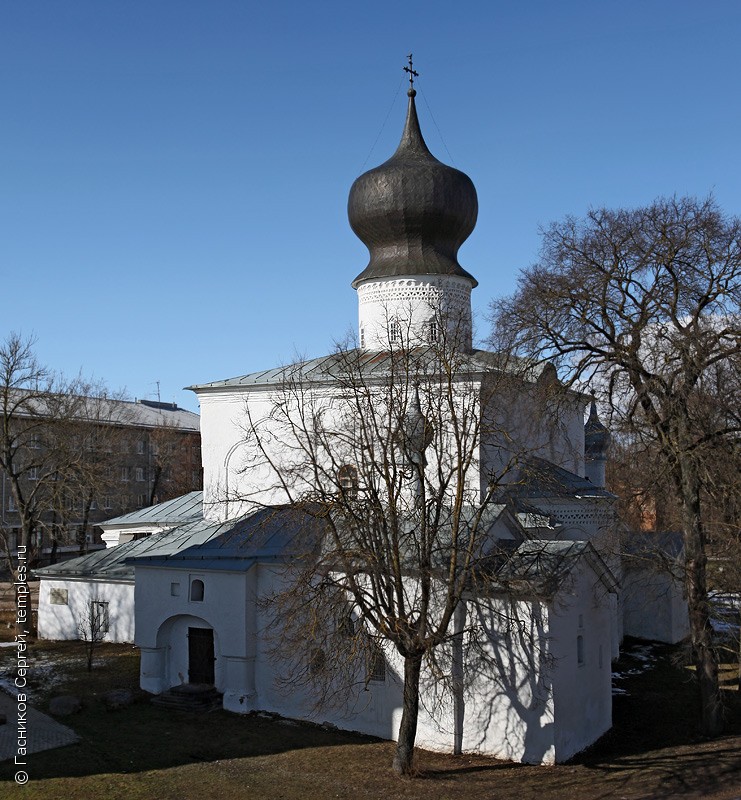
412,212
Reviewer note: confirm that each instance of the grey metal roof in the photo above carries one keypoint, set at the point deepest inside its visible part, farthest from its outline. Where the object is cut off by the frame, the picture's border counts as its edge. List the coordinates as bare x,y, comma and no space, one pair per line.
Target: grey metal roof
331,368
654,546
111,564
186,508
542,565
267,534
539,478
105,410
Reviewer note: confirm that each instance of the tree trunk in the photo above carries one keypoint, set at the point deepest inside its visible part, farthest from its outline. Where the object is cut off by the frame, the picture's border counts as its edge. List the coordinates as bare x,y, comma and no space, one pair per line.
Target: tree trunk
82,528
402,763
701,632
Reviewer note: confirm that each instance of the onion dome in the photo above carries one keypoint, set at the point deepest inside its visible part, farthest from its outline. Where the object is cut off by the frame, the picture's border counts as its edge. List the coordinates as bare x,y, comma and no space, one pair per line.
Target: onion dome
596,436
412,212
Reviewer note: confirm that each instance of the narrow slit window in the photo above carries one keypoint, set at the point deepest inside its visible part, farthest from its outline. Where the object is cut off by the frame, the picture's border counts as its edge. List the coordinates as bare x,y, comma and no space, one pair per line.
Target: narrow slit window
347,477
376,667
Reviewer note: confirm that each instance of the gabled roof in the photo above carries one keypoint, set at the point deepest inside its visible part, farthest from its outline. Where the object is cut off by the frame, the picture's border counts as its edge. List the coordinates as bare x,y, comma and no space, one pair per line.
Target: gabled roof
653,546
540,478
543,565
328,369
186,508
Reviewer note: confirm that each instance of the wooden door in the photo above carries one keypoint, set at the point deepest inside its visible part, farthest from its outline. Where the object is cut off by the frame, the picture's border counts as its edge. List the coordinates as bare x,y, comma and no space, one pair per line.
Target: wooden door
200,655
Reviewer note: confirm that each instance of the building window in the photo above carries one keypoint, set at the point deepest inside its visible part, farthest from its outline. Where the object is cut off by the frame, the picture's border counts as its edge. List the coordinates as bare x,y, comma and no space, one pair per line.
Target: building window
318,661
347,477
362,336
33,473
432,332
580,650
346,625
376,667
11,503
99,619
197,590
140,473
394,331
141,447
125,473
175,589
107,502
35,443
59,597
142,500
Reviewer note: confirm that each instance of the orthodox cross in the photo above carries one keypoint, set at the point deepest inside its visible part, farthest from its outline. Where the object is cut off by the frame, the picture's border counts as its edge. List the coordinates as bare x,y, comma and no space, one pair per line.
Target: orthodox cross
412,73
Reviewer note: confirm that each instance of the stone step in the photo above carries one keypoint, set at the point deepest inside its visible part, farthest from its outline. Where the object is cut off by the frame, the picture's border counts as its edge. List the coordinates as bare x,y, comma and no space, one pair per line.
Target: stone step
197,698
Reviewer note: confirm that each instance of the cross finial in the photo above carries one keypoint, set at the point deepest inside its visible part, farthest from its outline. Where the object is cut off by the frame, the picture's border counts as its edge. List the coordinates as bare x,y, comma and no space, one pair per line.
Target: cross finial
412,73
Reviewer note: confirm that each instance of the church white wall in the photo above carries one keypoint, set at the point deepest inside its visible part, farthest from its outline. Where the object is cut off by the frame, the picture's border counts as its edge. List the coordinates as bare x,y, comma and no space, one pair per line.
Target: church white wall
64,621
507,709
508,701
166,611
527,702
654,606
414,302
582,691
522,422
237,476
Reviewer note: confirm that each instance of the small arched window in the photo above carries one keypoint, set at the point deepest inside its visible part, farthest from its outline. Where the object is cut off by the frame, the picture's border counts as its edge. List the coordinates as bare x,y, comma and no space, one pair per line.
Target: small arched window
196,590
347,477
432,331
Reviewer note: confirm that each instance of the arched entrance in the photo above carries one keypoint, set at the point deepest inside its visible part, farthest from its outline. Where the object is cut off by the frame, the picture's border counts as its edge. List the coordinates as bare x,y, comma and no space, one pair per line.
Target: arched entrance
191,648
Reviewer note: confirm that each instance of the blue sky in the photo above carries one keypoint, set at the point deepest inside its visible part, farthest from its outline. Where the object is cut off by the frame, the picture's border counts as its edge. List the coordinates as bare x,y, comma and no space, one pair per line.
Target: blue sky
174,175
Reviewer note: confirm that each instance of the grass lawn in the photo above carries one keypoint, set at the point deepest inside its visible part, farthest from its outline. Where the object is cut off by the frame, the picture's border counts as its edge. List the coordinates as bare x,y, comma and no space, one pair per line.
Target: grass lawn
147,752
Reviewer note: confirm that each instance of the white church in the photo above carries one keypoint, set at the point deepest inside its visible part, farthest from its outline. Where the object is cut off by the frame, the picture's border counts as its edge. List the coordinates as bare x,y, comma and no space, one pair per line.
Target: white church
198,586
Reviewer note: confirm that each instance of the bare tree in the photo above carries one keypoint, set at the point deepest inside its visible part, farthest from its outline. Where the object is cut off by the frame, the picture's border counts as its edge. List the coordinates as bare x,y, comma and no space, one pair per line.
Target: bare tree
92,627
58,444
400,456
87,444
644,305
30,456
175,463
